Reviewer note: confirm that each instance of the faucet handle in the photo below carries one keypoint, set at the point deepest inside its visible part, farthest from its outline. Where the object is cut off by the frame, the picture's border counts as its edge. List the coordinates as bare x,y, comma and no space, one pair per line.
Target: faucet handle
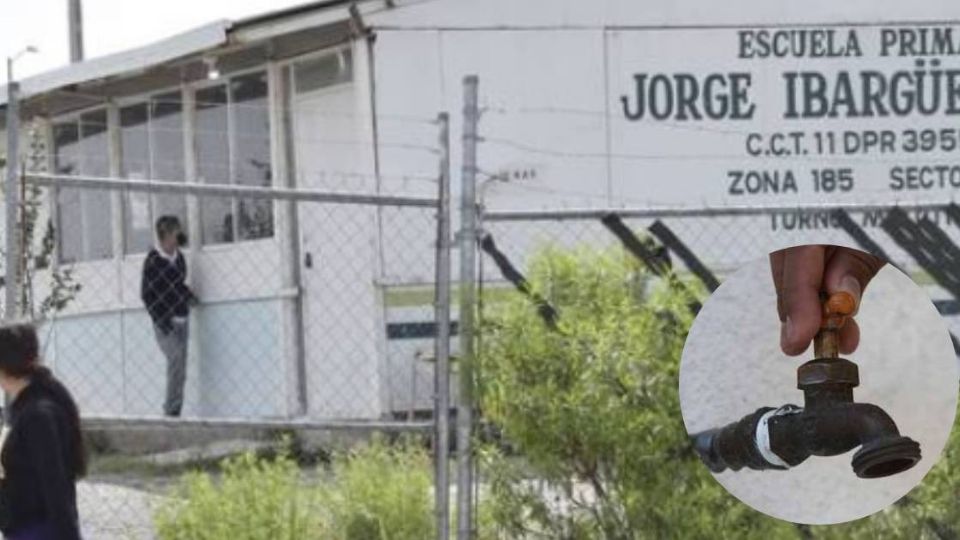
837,308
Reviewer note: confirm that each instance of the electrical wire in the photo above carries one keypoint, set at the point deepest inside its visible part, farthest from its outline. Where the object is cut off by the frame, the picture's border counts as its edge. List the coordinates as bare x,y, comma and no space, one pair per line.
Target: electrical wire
561,111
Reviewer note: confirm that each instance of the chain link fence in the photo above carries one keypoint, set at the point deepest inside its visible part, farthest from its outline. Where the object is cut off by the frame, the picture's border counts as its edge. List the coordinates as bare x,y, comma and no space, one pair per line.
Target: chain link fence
704,245
919,238
314,313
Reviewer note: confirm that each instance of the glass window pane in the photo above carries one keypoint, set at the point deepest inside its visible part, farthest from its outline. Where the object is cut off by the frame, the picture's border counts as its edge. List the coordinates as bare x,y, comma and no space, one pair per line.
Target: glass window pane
135,164
251,157
166,131
97,210
213,162
324,71
134,142
65,138
167,157
94,147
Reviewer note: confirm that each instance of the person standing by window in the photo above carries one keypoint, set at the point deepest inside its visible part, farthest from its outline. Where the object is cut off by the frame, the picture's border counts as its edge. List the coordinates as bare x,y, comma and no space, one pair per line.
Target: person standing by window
168,299
43,453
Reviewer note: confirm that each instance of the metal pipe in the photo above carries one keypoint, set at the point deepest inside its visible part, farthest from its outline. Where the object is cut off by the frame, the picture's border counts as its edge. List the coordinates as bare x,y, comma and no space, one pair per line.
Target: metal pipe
75,28
688,212
829,424
441,377
468,247
102,422
783,438
11,196
218,190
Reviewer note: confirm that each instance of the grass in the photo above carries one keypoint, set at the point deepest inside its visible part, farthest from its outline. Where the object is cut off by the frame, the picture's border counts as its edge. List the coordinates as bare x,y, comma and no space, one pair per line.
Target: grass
378,491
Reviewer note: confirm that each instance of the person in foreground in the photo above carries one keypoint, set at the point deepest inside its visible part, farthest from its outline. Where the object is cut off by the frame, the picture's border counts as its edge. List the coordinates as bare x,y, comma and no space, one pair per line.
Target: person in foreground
42,454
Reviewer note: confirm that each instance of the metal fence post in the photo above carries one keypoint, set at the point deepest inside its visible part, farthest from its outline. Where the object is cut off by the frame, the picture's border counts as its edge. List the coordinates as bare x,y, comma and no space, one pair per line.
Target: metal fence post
468,246
441,410
12,197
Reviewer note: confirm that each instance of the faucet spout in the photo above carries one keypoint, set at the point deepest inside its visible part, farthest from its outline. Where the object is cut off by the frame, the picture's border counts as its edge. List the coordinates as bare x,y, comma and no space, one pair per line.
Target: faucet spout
829,424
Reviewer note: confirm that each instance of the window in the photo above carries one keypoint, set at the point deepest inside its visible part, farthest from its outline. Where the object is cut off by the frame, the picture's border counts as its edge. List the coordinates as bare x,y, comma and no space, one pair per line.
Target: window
233,147
85,215
323,71
151,147
232,143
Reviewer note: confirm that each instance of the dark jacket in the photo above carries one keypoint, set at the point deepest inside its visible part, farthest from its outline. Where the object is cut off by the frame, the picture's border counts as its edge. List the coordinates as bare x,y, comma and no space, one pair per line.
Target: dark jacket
163,289
41,461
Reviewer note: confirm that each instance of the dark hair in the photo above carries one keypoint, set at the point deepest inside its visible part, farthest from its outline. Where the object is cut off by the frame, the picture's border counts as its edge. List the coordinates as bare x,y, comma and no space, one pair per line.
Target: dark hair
19,357
19,349
167,225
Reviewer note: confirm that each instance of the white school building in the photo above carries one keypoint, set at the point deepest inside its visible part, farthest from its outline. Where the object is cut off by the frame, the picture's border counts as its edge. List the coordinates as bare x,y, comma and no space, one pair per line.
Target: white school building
326,311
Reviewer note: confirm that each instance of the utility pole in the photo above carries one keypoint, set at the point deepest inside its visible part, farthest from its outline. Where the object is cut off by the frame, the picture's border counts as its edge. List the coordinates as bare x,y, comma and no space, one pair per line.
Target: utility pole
11,192
441,410
75,26
468,301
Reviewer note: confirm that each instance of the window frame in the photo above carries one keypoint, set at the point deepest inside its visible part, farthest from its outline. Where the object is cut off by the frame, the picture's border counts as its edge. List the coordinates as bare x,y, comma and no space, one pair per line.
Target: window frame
187,91
74,117
144,98
224,80
290,81
314,55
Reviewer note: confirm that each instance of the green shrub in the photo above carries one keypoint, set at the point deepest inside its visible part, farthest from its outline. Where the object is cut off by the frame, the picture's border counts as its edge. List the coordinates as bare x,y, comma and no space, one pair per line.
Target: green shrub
593,410
255,498
381,493
377,492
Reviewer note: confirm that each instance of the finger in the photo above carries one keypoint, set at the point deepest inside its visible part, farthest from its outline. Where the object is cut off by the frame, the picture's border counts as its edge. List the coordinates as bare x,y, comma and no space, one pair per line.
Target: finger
850,270
849,337
802,281
776,269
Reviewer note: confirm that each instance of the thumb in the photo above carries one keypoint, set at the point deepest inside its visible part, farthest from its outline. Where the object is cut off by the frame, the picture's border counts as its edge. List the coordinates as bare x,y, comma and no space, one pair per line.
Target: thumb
850,270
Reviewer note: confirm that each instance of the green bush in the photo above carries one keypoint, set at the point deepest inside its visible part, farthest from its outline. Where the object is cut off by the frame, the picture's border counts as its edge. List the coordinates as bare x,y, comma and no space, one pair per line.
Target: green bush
254,499
377,492
380,493
591,418
595,446
593,409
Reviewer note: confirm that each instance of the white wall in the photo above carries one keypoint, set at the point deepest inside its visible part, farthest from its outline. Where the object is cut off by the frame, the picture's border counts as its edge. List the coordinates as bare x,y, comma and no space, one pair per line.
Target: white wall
551,78
576,13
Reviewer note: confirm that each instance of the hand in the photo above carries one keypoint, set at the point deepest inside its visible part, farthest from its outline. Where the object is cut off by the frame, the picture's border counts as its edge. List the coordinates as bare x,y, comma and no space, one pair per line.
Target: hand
800,273
192,298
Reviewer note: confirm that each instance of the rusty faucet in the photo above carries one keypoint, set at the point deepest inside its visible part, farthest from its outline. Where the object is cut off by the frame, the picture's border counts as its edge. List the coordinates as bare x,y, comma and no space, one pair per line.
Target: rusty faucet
829,424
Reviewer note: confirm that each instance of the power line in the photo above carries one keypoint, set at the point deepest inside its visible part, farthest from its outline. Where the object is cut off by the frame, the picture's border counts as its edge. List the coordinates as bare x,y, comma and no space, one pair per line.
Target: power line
562,111
594,155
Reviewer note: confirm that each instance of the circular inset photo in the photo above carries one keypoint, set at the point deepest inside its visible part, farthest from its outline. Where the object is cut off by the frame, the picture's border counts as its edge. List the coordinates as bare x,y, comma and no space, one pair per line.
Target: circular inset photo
819,385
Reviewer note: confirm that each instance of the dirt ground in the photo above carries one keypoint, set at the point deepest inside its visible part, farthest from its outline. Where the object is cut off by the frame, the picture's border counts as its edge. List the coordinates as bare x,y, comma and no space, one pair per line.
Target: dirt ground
111,511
